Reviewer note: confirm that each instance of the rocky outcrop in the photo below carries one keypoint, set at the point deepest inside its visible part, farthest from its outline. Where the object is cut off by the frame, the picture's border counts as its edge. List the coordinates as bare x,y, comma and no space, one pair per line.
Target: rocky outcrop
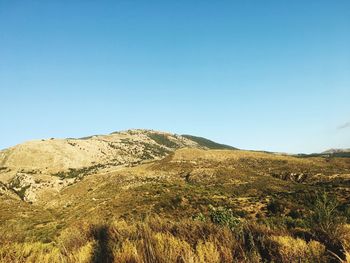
294,177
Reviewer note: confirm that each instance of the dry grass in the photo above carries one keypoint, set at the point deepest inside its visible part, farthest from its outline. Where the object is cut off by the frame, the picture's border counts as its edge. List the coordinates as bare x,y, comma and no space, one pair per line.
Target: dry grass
160,240
289,249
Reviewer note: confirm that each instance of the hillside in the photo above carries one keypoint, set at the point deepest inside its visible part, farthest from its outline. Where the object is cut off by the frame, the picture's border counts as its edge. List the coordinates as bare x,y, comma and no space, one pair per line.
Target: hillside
188,203
43,167
194,178
208,143
120,148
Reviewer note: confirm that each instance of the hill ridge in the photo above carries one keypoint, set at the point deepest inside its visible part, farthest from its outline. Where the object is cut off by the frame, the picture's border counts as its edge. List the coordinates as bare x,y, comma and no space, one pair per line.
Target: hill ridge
34,167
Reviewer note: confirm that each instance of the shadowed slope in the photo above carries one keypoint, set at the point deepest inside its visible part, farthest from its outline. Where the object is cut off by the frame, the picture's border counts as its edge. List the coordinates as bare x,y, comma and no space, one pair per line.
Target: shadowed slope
208,143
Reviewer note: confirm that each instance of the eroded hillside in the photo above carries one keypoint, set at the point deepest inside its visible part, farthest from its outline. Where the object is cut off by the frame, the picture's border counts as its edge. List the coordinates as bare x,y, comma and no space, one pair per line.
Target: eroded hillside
37,169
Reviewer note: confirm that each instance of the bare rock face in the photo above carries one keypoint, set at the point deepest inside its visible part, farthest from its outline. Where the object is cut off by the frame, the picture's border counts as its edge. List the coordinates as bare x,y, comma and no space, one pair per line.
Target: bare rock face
31,187
293,177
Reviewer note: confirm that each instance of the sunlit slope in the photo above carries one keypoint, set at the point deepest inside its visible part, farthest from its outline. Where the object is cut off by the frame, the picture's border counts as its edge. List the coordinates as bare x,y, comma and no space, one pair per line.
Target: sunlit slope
188,180
36,170
118,148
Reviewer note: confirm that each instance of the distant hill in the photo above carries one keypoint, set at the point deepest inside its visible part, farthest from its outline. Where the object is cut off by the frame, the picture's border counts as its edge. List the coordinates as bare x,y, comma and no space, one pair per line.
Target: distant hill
345,153
333,151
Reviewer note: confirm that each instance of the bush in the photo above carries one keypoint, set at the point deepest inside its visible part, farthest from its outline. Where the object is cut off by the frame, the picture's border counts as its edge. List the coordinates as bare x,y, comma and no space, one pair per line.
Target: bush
224,217
325,219
326,224
275,207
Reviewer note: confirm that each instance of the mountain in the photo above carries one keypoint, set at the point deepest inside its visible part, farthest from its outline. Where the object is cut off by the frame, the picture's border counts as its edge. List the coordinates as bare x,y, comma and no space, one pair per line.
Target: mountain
43,166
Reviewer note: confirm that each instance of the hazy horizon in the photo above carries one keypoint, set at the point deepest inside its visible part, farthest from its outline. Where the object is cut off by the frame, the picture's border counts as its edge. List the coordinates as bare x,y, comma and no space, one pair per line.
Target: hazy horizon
271,76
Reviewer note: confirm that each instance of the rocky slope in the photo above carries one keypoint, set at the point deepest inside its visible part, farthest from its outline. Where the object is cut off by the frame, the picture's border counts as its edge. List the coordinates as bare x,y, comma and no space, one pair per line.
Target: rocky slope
39,168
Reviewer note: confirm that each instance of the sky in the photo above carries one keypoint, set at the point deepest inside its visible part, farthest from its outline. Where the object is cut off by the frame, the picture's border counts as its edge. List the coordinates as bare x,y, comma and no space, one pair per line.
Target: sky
263,75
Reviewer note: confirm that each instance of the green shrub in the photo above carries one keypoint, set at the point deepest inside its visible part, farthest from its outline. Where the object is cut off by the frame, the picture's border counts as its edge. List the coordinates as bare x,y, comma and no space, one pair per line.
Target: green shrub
224,217
326,224
199,217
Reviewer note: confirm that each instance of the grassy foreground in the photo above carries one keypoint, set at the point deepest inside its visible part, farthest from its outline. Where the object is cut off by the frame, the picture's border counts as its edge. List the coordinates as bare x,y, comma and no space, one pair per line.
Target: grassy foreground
219,236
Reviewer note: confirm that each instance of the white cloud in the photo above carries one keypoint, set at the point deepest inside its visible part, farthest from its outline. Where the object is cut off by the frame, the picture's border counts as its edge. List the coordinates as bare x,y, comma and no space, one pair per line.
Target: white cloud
344,126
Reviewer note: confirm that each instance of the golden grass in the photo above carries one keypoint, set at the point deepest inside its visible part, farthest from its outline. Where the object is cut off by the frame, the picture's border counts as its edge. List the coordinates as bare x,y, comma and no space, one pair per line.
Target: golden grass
127,253
207,252
44,253
346,241
30,252
163,241
289,249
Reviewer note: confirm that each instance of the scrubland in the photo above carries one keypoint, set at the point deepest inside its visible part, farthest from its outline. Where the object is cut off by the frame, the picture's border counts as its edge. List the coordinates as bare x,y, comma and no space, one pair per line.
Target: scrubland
194,205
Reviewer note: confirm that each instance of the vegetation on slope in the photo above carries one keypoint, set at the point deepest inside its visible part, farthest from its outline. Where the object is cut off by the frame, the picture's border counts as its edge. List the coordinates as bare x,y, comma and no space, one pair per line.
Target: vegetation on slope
208,143
162,139
192,206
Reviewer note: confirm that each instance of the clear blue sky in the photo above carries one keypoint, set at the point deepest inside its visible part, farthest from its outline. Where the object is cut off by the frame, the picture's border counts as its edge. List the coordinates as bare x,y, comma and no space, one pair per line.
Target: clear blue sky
271,75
